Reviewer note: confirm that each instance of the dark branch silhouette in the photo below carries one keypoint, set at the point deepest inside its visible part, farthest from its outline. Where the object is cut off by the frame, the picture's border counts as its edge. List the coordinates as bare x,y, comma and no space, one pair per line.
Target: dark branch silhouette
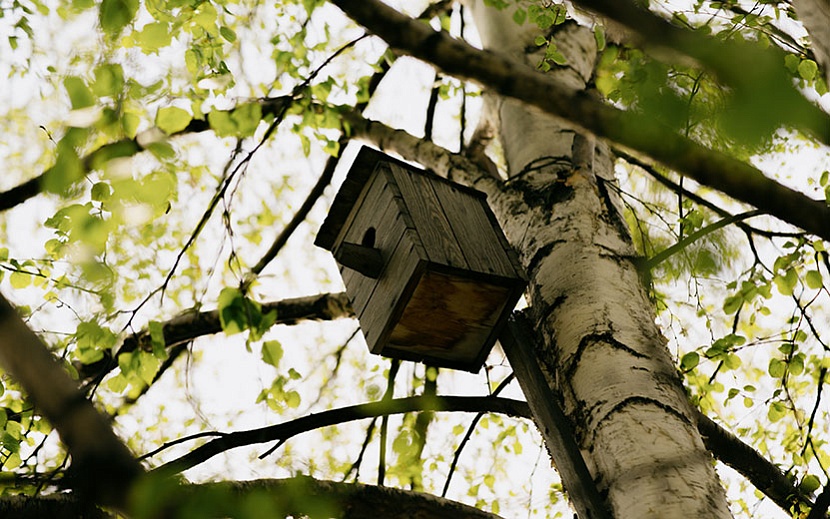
337,416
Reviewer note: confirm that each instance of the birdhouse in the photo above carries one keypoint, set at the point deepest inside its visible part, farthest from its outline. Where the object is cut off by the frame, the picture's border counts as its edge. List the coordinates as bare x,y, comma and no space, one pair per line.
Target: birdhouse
426,266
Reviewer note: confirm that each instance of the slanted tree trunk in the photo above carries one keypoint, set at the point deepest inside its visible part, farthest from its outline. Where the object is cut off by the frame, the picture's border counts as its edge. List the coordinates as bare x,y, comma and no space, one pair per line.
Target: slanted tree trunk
601,352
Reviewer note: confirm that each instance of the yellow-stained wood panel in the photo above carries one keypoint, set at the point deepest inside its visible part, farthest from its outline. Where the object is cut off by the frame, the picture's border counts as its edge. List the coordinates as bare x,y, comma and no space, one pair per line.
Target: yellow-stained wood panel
448,317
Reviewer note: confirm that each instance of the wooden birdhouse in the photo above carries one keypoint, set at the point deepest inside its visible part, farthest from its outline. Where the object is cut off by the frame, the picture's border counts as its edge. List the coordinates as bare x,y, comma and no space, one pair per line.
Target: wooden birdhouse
426,266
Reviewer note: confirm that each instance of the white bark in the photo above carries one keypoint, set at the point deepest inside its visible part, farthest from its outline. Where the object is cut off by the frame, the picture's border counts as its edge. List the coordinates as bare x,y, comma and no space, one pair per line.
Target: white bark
815,15
603,351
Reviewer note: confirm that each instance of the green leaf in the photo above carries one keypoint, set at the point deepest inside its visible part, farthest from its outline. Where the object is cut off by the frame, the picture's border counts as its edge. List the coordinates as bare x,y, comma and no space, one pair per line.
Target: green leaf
796,364
117,384
544,21
732,304
154,36
109,80
557,57
79,94
732,361
232,315
776,411
227,33
161,150
599,37
807,69
786,283
129,124
247,118
689,361
156,330
809,484
292,399
221,123
519,16
272,352
813,279
777,368
20,280
114,15
148,367
172,119
101,191
791,61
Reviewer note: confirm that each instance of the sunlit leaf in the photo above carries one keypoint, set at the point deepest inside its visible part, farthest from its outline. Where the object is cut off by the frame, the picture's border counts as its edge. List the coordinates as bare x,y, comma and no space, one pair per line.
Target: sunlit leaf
272,352
79,93
114,15
172,119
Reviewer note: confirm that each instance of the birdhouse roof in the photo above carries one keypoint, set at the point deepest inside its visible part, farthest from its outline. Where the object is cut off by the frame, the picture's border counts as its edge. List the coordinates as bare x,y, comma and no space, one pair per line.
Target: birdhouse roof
359,174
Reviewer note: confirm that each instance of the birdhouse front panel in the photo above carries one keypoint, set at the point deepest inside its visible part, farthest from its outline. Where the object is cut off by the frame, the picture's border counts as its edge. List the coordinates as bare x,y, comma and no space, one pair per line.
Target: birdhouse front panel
428,271
380,222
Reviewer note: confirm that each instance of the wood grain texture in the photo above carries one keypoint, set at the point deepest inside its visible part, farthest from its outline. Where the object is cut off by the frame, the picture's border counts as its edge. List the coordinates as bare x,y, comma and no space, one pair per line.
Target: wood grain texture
434,229
448,318
474,230
391,293
377,210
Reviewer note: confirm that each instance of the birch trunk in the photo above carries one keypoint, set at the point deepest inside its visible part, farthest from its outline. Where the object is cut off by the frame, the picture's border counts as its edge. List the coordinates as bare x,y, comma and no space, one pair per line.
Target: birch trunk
602,351
815,15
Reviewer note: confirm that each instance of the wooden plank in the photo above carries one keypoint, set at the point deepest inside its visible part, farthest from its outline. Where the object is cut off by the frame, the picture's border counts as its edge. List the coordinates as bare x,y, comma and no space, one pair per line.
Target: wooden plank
412,231
390,295
517,342
378,210
474,231
430,221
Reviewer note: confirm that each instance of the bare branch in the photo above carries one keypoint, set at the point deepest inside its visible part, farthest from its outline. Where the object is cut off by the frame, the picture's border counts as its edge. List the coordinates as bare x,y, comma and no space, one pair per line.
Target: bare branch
292,428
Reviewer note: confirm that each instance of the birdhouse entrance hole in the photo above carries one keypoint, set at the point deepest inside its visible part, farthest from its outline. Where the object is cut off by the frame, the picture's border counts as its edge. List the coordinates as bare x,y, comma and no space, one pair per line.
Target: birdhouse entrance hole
369,237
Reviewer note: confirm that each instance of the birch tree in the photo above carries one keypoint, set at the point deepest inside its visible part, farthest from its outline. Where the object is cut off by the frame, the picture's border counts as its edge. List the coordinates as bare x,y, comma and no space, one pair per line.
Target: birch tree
156,227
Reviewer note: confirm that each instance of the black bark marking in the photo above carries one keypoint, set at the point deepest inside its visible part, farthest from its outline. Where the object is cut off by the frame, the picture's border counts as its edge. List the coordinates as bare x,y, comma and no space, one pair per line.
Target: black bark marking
641,400
554,193
540,255
594,338
610,213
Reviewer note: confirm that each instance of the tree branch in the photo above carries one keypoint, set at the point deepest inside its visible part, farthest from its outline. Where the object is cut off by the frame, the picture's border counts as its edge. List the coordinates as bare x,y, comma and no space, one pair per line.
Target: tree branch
304,496
297,496
119,149
55,506
763,475
767,78
508,78
668,252
191,325
337,416
102,469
